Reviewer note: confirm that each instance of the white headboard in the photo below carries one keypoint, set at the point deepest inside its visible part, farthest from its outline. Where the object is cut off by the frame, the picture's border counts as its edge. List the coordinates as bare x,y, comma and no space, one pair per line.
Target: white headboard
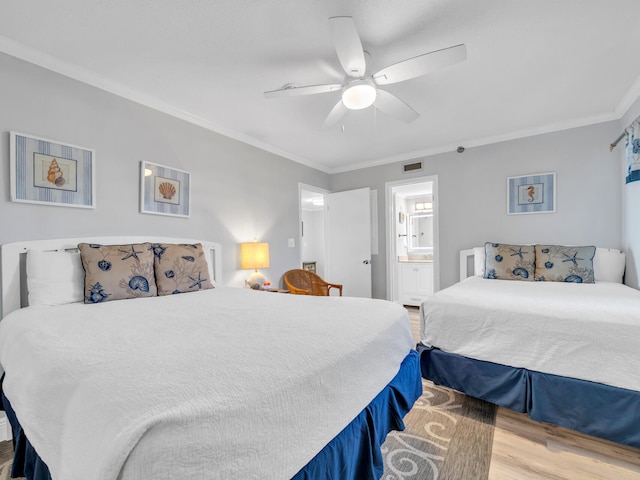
13,261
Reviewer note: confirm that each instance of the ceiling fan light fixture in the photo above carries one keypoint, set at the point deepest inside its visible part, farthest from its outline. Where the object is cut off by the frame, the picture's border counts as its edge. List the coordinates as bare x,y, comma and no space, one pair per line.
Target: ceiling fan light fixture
359,94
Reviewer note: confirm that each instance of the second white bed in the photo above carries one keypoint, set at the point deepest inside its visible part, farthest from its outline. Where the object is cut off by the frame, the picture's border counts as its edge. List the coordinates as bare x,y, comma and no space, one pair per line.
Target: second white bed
583,331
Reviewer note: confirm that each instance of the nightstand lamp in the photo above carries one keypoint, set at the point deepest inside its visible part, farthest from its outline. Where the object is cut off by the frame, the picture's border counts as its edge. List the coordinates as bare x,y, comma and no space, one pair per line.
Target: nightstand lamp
254,255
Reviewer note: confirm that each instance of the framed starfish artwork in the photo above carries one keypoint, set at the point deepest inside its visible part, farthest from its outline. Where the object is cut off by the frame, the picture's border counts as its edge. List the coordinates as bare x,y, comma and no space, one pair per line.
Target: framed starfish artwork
531,194
49,172
164,190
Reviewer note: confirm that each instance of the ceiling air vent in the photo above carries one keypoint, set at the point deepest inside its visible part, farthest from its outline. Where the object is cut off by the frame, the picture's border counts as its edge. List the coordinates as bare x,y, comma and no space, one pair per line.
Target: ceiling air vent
411,167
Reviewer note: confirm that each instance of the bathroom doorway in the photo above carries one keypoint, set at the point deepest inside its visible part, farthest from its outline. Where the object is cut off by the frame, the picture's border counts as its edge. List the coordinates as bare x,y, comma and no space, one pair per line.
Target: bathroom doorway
412,239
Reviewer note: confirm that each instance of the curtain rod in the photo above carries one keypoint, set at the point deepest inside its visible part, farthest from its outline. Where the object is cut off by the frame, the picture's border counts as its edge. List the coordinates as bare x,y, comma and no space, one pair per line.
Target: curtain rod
621,136
617,140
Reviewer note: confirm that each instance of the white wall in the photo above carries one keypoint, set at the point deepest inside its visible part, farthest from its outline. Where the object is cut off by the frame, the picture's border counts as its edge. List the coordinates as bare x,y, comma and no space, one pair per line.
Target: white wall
630,206
401,228
241,192
238,192
472,194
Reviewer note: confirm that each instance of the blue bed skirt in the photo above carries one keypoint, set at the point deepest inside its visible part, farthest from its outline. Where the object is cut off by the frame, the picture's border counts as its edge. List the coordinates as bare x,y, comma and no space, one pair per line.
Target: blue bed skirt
592,408
353,454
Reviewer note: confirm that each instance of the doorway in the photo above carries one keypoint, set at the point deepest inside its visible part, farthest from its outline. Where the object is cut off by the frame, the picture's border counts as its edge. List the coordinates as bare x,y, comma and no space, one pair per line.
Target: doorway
412,240
335,237
312,234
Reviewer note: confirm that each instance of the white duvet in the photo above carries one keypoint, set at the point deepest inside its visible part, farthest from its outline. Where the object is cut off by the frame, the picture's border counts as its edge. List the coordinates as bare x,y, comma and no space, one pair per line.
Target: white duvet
585,331
223,383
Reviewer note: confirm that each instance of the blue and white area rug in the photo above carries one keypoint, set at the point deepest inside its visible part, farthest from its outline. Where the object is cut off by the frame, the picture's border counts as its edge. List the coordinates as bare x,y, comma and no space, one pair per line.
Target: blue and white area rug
447,436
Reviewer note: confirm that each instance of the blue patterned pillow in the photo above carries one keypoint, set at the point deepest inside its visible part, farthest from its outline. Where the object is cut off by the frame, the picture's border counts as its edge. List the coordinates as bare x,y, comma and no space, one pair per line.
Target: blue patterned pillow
557,263
181,268
509,262
115,272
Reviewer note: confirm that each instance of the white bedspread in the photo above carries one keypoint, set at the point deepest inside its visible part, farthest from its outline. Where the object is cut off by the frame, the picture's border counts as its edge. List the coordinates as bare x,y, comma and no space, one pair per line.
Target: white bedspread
254,383
584,331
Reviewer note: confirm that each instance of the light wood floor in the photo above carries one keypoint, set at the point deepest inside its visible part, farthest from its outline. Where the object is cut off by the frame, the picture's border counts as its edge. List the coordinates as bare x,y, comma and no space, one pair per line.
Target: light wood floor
528,450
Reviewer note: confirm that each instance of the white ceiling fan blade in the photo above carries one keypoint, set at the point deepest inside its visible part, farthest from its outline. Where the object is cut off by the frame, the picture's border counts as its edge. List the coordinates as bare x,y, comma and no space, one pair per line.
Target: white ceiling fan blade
348,45
335,115
420,65
394,107
292,91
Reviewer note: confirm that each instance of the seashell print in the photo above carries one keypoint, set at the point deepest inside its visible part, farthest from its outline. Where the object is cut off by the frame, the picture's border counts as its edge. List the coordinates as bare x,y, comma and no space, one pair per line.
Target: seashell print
498,258
167,190
188,258
158,250
169,274
97,294
104,265
573,279
545,250
520,272
54,174
139,283
548,264
175,292
491,274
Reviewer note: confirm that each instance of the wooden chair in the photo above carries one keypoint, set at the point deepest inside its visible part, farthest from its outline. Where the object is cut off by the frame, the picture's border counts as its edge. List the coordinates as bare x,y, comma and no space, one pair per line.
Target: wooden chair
304,282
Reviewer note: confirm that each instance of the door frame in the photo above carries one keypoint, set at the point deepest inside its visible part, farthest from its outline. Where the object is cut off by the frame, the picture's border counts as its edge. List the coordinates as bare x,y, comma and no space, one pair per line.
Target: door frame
391,260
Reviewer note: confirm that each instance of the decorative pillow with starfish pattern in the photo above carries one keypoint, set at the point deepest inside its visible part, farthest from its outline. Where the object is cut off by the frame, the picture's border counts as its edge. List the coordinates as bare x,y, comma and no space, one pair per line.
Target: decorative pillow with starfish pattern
116,272
181,268
509,262
557,263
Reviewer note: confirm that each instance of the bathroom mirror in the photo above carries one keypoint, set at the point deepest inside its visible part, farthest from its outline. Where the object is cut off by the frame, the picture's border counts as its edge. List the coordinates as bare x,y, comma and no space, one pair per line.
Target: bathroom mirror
421,232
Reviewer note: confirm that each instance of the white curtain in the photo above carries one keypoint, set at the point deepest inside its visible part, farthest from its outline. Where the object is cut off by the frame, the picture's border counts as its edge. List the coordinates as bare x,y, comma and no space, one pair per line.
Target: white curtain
632,148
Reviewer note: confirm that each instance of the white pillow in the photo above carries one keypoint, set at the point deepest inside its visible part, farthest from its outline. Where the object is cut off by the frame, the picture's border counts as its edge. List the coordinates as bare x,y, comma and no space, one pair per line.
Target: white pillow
608,265
54,278
478,261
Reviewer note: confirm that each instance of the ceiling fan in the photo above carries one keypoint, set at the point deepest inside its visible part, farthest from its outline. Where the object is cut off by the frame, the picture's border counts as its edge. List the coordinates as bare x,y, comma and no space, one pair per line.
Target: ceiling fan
360,90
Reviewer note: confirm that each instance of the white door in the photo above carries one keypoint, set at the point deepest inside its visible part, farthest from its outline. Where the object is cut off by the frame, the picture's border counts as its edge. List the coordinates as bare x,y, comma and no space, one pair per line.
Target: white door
348,241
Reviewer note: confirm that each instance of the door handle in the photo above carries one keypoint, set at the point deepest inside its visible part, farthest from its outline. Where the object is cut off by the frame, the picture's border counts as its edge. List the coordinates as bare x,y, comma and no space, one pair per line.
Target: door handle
366,262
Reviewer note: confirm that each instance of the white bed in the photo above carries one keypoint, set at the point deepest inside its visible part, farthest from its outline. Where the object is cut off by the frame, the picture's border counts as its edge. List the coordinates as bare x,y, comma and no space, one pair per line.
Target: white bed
559,328
562,352
252,383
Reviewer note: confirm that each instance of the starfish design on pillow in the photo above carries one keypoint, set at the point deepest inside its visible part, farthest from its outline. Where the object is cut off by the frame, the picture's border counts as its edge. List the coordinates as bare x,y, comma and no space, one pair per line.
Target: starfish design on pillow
573,258
130,254
197,282
518,252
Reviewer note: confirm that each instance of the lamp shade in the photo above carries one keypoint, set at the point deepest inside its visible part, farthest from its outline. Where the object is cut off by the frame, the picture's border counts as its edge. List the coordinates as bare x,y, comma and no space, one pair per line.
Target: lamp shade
254,255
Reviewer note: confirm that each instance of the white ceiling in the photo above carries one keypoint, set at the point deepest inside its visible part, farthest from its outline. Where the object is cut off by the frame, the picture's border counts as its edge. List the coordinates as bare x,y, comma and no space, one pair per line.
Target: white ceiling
532,67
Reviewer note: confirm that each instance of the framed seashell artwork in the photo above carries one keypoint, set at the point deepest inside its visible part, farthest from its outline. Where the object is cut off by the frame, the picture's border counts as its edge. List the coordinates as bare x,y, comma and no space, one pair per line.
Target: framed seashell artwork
50,172
164,190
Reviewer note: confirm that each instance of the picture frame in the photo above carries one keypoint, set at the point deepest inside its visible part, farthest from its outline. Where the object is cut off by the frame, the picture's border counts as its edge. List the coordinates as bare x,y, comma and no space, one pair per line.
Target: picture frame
309,266
164,190
50,172
535,193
